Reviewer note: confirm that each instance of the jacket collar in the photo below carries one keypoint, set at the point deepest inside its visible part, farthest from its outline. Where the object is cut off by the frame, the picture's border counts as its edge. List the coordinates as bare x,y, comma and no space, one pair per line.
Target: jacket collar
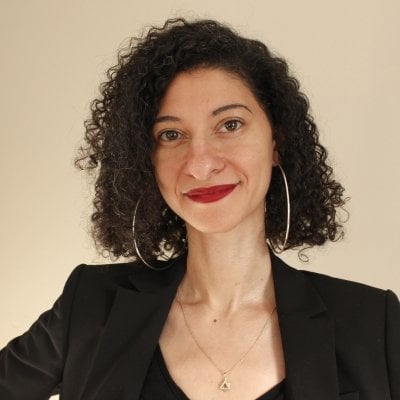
307,336
131,333
138,315
164,279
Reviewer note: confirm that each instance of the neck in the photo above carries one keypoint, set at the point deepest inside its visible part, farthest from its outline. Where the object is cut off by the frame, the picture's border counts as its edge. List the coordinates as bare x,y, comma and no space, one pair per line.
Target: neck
228,270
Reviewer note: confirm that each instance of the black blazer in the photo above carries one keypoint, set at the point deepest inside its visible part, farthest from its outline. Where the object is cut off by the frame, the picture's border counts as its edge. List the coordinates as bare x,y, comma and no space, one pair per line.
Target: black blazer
341,339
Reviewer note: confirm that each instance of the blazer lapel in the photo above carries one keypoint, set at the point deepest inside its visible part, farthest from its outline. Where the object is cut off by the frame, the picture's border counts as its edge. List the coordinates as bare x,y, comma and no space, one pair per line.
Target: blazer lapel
307,336
138,314
131,335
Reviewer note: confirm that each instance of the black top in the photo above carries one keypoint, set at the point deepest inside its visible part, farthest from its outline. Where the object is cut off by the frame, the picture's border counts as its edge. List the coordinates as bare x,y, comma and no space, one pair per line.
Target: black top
160,385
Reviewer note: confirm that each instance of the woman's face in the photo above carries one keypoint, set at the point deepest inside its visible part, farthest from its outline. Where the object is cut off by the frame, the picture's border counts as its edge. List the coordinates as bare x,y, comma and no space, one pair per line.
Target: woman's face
214,151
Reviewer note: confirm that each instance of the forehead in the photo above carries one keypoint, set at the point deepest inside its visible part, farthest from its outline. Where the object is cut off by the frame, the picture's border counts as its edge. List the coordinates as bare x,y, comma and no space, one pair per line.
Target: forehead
205,87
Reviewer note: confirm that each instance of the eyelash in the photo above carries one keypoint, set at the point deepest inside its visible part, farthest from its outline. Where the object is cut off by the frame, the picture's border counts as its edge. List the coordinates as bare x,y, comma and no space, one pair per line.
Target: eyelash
223,128
162,135
238,123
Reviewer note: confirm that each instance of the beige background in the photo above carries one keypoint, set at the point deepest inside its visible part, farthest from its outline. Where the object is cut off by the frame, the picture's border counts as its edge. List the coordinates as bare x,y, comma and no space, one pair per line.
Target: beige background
53,56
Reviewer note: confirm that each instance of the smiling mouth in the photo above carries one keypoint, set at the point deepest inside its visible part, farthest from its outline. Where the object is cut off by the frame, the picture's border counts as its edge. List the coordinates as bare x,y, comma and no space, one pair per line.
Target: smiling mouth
210,194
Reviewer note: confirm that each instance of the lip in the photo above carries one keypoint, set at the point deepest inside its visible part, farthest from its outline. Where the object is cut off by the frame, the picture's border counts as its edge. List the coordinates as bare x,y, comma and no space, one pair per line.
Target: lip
210,194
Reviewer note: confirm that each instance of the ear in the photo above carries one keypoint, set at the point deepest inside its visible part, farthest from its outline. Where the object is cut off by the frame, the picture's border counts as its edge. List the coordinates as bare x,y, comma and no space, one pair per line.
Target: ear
275,155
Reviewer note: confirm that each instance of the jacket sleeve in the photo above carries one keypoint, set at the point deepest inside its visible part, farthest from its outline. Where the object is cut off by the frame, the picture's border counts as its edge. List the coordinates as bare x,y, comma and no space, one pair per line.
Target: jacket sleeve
393,343
31,365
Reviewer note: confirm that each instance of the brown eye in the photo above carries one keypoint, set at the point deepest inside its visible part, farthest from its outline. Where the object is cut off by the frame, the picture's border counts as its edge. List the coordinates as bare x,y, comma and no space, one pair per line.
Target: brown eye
170,136
231,125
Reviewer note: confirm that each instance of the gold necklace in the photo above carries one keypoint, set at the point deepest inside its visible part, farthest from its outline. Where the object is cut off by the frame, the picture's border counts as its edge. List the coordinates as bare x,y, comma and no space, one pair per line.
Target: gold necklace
225,384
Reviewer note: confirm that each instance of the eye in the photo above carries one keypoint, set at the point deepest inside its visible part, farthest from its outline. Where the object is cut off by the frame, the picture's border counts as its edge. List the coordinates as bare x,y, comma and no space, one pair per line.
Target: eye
169,136
231,125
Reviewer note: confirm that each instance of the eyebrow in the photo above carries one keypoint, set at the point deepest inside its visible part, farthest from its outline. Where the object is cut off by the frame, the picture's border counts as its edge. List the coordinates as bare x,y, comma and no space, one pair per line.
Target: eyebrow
166,118
219,110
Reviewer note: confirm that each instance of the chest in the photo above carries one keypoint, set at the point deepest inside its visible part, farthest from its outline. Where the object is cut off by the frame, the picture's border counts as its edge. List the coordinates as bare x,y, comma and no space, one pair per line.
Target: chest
245,359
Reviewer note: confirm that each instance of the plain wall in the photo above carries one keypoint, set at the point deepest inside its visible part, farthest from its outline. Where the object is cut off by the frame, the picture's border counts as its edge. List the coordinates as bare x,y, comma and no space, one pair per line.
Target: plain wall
54,55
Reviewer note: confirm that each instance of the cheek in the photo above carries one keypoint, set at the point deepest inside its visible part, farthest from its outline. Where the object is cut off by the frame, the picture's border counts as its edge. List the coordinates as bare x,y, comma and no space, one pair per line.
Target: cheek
159,175
166,176
259,157
258,167
161,179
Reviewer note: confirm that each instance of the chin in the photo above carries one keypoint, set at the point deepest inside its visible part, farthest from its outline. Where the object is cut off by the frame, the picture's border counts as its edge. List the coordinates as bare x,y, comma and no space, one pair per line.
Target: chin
215,220
214,224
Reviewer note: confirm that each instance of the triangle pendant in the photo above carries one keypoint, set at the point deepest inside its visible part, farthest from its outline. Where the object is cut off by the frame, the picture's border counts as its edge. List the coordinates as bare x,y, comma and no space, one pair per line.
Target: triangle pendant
225,384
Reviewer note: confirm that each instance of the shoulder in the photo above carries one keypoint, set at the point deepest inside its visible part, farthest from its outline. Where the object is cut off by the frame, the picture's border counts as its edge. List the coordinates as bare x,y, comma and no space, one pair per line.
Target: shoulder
91,288
366,322
90,278
336,290
344,300
131,275
106,274
354,304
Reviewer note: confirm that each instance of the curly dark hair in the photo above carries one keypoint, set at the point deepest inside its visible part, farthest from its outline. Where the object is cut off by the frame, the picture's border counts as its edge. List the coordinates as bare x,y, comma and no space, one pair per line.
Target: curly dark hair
119,142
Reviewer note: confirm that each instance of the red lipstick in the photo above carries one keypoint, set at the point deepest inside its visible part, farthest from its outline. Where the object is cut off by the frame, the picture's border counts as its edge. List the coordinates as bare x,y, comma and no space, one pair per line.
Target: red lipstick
210,194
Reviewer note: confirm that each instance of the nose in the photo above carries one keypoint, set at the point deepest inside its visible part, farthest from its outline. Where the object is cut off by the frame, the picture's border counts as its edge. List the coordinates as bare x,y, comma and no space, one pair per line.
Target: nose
203,160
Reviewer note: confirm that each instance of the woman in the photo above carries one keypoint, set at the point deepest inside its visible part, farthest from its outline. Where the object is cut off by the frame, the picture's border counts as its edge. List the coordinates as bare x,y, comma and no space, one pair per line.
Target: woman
203,140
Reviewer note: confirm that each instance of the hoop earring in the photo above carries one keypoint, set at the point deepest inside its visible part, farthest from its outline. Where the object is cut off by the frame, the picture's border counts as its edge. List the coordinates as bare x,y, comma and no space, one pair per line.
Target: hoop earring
137,248
281,250
134,238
